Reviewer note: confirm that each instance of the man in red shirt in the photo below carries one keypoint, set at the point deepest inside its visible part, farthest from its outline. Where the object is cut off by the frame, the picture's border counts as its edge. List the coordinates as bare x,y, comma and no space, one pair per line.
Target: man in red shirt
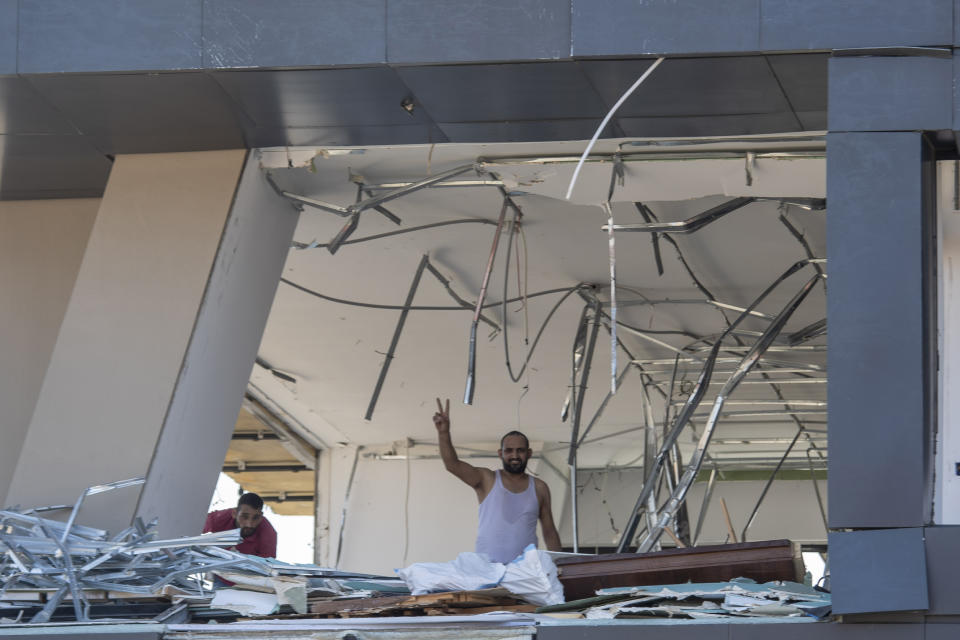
259,536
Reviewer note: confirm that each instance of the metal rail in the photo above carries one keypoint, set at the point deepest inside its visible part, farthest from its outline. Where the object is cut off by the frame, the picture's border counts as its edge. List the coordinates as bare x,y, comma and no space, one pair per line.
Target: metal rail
396,336
690,406
472,355
749,361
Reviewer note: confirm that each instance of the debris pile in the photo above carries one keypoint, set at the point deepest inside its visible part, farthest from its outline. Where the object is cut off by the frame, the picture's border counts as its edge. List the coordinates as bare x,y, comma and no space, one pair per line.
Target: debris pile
53,571
63,571
740,597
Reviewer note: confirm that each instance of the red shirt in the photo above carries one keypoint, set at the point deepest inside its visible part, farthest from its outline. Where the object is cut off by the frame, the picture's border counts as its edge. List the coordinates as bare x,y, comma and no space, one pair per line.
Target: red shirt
262,543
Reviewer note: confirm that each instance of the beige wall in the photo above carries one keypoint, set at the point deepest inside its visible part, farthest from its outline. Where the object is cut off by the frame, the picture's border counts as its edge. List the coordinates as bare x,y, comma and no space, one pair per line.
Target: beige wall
41,246
123,338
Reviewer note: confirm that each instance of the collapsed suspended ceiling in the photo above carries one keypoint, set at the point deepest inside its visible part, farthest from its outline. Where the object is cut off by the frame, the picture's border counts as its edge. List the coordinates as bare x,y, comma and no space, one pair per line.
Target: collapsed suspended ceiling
320,358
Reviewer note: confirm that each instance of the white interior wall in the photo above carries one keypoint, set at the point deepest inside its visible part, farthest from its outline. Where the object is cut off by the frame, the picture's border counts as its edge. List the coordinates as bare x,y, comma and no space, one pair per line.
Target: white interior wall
41,246
333,478
947,486
789,510
392,522
388,526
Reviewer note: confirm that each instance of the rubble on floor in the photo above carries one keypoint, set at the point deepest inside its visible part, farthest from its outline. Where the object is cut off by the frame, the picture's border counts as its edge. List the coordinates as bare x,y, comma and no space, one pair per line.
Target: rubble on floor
736,598
53,571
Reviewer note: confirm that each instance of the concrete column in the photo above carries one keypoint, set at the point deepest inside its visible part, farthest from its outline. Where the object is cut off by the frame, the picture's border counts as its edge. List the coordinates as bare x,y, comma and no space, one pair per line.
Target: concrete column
196,432
122,342
41,245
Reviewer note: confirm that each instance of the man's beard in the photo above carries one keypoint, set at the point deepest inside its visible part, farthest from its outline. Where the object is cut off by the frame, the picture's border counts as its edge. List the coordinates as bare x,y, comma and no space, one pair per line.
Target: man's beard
516,467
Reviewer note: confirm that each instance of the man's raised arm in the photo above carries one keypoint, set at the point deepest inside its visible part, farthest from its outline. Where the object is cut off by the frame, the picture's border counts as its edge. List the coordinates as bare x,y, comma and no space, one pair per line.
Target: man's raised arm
463,470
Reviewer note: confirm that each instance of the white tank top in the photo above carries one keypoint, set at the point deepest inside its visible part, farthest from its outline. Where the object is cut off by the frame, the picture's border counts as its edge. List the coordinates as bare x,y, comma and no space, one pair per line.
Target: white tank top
508,521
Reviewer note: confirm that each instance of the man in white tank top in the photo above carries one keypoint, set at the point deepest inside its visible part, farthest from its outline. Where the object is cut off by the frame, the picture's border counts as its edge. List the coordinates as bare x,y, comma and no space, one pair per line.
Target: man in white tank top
511,501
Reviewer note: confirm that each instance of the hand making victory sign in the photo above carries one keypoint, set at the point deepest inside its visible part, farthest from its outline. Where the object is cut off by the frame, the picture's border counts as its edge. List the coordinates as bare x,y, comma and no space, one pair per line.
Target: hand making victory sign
441,419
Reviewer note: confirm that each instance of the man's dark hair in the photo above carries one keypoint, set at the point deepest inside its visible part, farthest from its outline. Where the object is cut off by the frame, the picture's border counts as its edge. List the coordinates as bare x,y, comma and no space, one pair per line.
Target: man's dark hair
251,500
526,441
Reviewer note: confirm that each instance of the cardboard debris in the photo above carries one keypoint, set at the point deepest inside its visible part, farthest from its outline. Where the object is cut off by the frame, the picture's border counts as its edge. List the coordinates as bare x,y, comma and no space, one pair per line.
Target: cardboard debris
736,598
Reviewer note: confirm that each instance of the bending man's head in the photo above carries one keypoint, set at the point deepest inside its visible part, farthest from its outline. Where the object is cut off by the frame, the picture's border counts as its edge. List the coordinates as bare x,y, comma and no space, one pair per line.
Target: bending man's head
514,452
249,513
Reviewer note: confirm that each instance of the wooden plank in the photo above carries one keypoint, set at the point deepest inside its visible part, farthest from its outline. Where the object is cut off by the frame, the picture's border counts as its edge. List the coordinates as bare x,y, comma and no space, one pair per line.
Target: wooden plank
375,606
338,606
455,611
761,561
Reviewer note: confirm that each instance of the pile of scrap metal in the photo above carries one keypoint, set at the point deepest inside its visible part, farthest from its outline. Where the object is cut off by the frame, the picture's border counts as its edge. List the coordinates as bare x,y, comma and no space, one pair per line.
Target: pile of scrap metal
740,597
63,571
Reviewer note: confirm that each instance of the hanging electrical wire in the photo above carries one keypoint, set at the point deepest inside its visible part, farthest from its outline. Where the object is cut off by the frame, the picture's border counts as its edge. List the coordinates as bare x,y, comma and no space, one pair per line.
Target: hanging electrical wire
606,119
398,307
616,175
378,236
511,231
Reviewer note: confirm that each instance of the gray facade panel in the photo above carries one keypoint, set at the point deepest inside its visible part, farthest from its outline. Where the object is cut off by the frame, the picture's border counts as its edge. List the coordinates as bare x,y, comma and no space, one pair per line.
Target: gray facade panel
943,567
826,631
25,111
956,21
146,113
956,88
890,93
690,86
813,120
628,631
880,570
321,97
289,33
803,77
109,35
875,312
51,166
627,27
591,630
941,631
726,125
828,24
468,31
8,36
82,632
571,129
496,92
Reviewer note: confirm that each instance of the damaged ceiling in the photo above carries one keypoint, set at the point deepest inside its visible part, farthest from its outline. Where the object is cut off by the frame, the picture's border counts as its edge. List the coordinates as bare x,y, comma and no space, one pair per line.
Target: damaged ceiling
320,358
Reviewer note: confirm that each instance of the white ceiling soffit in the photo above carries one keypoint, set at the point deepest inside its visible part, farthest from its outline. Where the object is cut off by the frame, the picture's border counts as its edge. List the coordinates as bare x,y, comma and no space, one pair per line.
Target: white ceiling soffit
335,351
